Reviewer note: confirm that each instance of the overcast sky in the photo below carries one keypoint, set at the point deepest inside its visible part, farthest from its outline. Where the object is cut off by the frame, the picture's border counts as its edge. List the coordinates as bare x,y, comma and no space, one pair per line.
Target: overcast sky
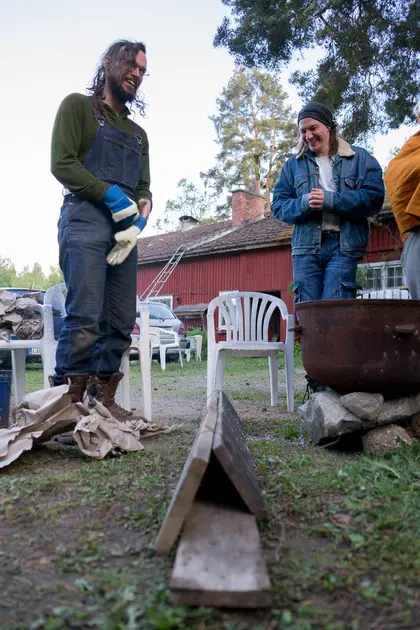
50,48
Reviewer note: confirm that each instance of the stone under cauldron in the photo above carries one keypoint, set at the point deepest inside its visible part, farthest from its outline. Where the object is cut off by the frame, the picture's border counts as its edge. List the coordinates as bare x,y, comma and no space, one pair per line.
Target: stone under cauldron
367,354
381,424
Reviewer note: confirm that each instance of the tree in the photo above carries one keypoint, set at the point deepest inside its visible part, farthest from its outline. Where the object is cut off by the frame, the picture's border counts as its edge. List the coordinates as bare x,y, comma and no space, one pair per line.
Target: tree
54,277
28,278
256,132
7,273
32,278
189,202
370,73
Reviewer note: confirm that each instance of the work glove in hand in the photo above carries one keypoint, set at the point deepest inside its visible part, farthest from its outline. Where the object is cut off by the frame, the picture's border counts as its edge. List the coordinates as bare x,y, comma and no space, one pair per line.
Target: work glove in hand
126,241
123,209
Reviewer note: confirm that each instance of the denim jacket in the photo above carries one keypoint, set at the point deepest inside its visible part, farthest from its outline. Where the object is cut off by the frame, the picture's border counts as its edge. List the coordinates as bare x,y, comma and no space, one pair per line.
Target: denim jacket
359,194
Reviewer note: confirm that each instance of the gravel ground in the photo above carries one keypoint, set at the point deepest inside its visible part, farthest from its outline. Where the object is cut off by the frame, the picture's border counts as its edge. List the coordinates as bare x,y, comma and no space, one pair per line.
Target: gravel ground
179,395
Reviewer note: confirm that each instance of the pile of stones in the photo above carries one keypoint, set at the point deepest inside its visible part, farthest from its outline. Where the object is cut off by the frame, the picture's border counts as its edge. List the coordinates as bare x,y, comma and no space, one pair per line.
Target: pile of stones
381,424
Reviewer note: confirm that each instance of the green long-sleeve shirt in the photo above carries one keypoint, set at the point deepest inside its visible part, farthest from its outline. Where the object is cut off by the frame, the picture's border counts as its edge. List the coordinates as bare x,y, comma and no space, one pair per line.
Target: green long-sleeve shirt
72,138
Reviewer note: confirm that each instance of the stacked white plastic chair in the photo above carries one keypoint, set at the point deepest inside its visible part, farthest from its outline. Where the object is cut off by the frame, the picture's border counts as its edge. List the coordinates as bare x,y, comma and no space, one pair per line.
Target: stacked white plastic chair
162,340
246,318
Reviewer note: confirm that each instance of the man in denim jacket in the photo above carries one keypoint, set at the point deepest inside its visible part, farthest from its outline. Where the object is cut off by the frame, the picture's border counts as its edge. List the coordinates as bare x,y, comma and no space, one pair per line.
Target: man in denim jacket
327,191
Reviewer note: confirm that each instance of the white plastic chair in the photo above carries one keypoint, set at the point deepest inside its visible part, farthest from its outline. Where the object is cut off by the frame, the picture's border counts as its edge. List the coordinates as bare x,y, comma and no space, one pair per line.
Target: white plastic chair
196,344
162,339
46,346
56,297
246,318
142,345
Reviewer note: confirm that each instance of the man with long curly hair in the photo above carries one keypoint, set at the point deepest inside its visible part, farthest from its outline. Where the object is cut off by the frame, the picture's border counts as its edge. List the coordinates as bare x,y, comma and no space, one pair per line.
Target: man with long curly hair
102,159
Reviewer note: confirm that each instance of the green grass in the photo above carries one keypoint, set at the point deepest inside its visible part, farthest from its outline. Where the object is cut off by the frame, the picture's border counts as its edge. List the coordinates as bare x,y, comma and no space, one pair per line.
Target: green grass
234,366
341,537
366,509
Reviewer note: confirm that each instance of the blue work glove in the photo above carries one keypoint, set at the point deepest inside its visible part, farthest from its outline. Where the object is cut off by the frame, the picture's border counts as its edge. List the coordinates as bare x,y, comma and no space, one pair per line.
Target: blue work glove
123,209
126,241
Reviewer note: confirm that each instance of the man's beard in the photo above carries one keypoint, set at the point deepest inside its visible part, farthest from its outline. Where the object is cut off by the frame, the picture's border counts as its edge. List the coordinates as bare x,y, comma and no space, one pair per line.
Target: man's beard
118,91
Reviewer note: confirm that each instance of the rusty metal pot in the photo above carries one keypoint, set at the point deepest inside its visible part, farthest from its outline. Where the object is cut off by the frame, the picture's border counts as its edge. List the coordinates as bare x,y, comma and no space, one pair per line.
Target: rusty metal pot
362,345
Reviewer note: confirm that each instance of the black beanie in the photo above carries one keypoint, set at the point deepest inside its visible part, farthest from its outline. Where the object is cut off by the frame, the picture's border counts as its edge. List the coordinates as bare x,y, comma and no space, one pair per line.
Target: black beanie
319,112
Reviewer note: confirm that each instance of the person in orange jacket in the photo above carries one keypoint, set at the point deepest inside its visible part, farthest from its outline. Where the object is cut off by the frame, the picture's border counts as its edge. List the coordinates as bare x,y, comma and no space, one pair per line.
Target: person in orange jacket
402,181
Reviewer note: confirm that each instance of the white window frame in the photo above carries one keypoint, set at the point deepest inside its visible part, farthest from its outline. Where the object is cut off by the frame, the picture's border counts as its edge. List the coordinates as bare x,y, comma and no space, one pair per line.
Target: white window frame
167,300
221,320
402,276
383,265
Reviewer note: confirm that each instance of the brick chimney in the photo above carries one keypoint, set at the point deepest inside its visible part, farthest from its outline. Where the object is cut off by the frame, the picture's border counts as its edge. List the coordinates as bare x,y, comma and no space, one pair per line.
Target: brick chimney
245,206
188,223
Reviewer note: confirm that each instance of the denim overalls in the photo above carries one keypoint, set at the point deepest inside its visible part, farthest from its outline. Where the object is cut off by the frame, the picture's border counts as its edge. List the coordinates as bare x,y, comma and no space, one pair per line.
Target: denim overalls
101,300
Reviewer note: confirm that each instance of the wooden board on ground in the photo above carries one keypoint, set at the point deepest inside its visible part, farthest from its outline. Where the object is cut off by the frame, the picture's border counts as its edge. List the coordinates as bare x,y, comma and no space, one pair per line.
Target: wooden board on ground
190,479
230,448
219,560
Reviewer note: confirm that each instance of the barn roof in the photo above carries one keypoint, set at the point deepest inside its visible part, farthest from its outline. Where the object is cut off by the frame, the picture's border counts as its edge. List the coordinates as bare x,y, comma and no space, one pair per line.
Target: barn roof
219,237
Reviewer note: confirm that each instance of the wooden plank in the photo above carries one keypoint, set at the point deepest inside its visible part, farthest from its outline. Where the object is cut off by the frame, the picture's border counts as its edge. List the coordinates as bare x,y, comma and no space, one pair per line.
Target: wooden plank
219,560
230,448
190,479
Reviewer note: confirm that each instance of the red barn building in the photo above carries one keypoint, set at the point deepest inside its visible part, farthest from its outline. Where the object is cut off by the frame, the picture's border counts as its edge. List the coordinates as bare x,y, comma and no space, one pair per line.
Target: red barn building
250,252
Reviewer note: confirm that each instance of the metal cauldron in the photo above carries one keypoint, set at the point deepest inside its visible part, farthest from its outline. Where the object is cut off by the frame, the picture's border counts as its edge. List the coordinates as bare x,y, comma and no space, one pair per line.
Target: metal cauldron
362,345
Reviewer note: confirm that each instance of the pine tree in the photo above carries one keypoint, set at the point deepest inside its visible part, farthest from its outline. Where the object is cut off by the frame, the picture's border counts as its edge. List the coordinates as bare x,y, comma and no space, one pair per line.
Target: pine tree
256,132
370,72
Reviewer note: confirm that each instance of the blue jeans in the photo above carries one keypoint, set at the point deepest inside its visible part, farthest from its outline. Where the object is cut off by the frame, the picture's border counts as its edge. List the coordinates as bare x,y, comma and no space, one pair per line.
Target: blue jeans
101,300
325,276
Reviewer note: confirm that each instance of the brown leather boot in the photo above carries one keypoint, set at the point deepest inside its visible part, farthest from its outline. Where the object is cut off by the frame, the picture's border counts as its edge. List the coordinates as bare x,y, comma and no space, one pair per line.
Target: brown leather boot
104,392
77,389
77,386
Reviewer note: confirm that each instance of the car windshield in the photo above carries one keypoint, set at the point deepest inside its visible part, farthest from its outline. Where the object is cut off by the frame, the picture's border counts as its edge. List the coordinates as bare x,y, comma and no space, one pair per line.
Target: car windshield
159,311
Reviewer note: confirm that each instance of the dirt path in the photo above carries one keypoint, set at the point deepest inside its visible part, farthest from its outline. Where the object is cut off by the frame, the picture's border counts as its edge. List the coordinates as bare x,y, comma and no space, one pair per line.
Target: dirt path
181,395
